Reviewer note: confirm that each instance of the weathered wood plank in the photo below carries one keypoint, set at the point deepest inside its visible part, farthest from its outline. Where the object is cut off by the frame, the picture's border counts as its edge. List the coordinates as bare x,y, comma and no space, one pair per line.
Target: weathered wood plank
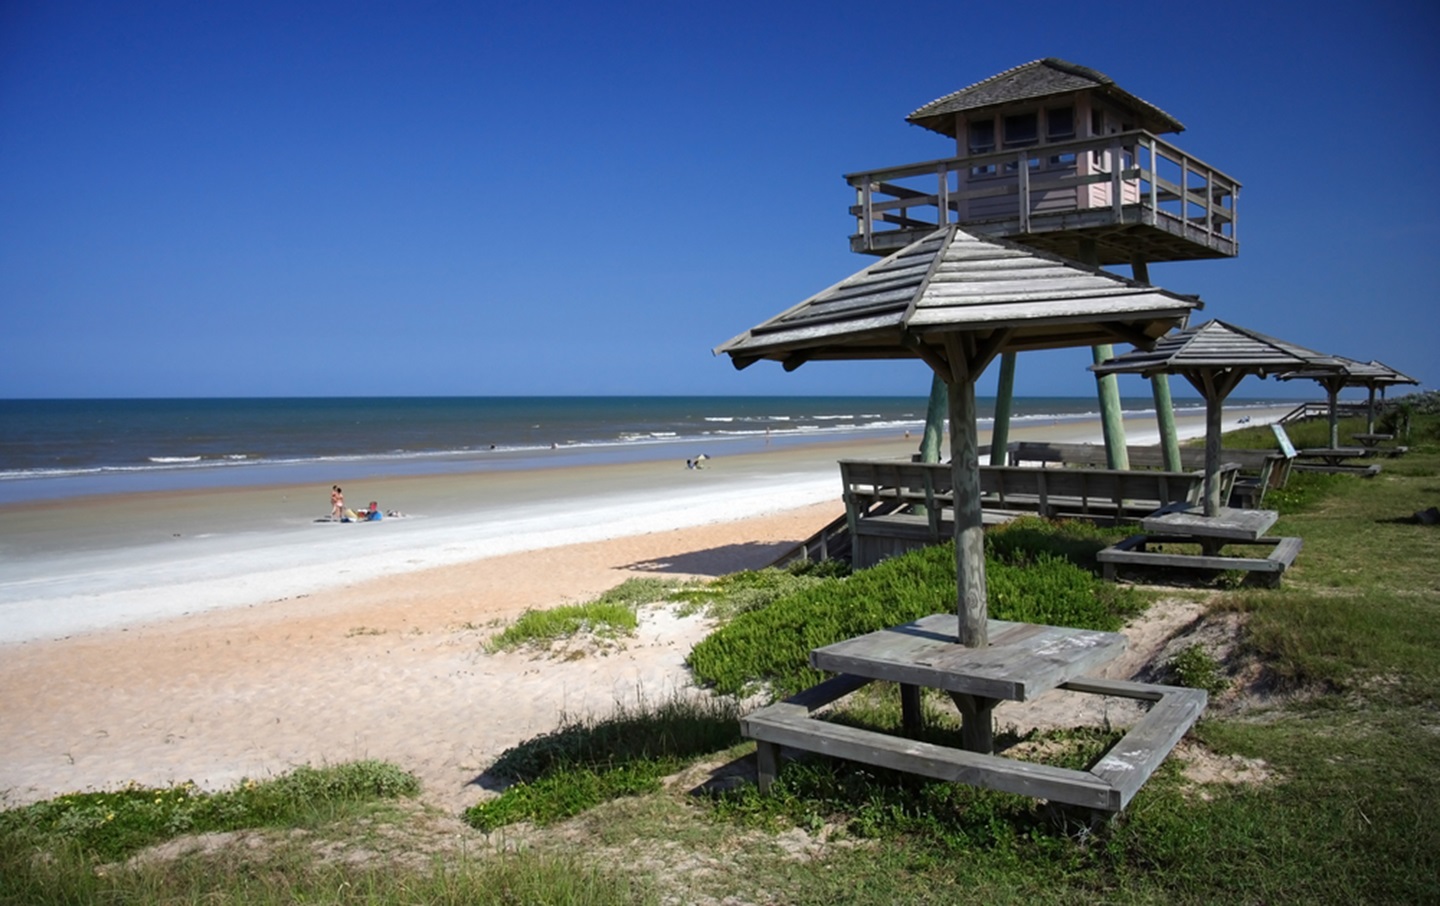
1131,552
1021,661
1079,788
1132,760
1228,523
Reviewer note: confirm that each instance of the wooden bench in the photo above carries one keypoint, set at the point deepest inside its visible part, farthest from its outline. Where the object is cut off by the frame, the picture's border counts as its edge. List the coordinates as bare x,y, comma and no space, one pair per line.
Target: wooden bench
1135,551
1107,786
1257,470
893,506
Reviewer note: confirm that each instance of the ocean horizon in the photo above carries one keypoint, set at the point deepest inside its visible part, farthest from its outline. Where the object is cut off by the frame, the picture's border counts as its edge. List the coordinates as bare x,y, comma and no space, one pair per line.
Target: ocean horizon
73,447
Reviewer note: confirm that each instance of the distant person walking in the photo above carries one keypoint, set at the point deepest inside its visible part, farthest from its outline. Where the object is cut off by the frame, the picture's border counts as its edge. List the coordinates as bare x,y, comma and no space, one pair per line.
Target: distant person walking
337,502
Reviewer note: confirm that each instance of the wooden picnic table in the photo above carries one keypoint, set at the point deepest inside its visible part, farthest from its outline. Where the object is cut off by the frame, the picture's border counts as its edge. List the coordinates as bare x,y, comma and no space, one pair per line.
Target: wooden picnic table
1334,456
1372,440
1022,661
1228,524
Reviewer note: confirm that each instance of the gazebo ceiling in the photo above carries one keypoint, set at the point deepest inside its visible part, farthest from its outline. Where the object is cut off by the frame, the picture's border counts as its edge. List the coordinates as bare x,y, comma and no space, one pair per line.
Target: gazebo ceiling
998,295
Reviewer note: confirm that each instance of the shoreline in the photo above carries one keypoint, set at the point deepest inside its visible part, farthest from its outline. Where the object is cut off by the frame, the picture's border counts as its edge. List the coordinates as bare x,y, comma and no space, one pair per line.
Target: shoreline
100,563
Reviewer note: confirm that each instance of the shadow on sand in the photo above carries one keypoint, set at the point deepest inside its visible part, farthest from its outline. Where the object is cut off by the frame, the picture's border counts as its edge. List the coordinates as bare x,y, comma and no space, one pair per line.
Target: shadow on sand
716,561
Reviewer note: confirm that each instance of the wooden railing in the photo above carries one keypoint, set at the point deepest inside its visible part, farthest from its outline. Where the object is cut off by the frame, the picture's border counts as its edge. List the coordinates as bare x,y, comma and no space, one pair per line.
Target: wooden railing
1148,179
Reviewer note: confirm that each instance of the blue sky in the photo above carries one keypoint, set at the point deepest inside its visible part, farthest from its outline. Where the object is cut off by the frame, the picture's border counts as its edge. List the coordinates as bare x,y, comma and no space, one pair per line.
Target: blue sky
231,199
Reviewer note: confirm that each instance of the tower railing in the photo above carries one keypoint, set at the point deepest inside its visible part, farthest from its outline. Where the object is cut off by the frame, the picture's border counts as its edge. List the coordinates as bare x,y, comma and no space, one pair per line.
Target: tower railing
1130,178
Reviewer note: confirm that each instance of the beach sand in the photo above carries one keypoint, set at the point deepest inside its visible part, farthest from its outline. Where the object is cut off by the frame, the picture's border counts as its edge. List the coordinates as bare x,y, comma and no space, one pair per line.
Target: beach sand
244,653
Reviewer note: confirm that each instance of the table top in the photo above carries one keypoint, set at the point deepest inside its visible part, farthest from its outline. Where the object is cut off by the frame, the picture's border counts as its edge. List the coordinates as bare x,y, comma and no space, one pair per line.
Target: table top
1335,452
1371,440
1022,660
1229,523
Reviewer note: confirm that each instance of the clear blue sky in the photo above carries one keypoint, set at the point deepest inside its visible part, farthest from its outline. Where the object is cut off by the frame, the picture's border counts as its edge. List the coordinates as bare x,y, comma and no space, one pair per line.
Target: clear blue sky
258,198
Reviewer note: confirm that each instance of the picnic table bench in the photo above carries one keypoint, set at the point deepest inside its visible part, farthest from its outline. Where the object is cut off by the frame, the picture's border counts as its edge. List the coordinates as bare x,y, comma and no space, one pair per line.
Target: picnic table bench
1335,460
892,506
1023,661
1188,525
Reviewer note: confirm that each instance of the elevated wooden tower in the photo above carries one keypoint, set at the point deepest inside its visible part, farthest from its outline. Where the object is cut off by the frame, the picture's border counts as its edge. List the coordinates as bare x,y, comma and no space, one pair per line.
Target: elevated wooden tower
1058,157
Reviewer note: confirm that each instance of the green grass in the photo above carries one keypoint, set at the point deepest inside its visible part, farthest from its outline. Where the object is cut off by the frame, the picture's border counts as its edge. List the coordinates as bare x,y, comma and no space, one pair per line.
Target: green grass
112,825
1029,579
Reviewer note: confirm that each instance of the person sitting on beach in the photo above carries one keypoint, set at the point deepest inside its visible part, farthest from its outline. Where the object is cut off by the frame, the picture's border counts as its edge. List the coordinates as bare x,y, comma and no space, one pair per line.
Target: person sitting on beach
373,514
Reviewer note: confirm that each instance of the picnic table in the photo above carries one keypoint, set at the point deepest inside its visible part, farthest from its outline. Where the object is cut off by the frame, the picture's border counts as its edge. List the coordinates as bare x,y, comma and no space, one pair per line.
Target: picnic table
1187,524
1372,440
1334,456
1022,661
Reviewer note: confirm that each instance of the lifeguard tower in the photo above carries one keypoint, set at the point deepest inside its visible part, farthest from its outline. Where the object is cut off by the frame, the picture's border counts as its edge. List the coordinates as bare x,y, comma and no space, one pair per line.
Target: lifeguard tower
1060,158
1057,157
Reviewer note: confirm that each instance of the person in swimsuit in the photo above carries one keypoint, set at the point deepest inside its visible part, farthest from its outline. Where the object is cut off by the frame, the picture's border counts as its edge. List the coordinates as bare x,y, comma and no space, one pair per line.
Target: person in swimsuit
337,502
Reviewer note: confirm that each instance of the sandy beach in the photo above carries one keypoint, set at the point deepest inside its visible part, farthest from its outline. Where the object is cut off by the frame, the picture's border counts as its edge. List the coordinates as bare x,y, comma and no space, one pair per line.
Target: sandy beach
146,640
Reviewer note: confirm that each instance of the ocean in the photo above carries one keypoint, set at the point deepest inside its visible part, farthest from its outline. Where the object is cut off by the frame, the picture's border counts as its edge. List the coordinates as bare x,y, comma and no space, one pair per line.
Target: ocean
64,448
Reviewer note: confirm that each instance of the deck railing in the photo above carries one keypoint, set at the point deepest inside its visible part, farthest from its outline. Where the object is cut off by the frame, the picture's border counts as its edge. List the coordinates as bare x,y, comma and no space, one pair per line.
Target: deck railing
1137,176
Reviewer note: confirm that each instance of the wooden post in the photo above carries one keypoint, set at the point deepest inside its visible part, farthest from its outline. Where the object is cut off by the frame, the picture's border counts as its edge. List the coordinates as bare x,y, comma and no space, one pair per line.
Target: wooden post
1213,426
1370,412
1107,385
1160,391
934,422
1004,400
971,604
1111,421
977,722
1333,387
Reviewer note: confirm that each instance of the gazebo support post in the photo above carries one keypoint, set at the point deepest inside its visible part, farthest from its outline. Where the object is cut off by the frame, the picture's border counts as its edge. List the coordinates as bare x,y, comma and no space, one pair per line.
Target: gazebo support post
971,604
1160,390
1214,386
1213,428
1333,388
1370,412
934,422
1004,402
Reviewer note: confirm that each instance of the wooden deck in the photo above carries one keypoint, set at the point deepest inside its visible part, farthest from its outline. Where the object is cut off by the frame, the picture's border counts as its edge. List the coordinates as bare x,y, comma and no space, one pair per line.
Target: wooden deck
1164,204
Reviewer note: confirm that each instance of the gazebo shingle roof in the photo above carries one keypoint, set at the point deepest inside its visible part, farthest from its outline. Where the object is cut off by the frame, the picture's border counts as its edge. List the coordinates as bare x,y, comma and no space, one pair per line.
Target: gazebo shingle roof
1037,79
1216,345
952,281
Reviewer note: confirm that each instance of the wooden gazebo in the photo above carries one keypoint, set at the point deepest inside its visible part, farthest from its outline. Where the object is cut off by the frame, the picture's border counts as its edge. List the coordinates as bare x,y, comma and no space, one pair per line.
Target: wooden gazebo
957,300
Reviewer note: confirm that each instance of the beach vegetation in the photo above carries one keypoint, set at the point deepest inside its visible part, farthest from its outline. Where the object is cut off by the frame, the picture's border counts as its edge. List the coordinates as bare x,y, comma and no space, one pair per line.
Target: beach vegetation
586,762
1197,668
729,596
1030,582
543,628
115,824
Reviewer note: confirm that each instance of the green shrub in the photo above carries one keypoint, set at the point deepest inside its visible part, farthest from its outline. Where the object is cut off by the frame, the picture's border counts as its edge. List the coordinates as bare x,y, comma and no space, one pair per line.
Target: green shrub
1194,667
771,645
112,825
